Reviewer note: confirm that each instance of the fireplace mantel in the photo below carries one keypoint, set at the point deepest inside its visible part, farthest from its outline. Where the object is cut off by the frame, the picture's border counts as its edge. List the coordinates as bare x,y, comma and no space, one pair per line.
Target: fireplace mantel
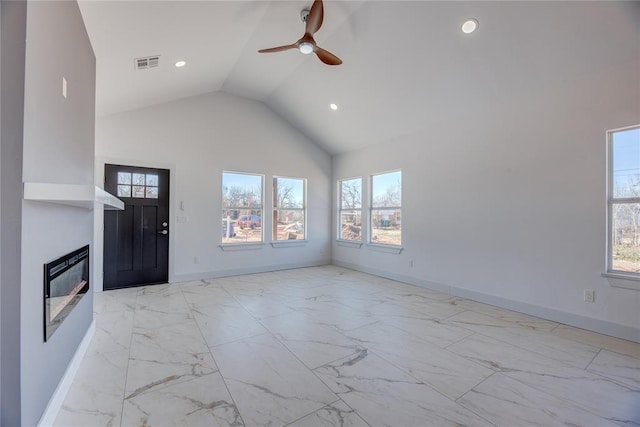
81,196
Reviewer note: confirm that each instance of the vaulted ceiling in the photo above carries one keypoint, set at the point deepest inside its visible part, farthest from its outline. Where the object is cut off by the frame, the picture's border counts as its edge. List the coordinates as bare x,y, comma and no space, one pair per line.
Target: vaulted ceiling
406,65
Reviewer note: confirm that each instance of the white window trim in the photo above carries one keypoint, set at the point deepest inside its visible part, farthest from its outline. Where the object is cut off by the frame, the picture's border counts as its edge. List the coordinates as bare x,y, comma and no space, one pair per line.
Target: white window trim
240,245
360,241
277,209
382,247
621,278
250,246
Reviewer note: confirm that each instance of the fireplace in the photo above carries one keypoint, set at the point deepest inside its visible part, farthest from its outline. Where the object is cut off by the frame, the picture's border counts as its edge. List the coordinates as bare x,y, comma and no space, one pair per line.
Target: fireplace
66,280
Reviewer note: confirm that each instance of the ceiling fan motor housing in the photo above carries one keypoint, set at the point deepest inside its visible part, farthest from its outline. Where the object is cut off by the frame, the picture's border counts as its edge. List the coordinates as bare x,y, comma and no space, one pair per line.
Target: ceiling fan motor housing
304,14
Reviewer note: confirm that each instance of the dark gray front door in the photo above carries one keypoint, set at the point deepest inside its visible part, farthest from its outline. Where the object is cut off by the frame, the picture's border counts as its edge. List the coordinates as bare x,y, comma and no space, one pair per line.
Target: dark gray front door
136,240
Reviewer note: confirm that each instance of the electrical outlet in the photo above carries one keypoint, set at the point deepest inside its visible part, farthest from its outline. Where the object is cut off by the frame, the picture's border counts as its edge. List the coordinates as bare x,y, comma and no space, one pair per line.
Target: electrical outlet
589,295
411,263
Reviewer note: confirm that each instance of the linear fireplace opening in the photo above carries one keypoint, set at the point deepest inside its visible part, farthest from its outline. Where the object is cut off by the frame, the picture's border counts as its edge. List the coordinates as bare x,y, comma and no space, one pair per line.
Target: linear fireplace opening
66,280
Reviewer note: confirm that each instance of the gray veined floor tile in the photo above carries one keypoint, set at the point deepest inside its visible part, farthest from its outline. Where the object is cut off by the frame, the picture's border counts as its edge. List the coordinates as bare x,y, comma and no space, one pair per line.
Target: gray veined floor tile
337,414
269,385
314,344
383,395
266,304
414,294
507,402
446,372
115,300
517,319
154,347
167,355
113,332
95,396
624,369
593,393
431,330
202,401
200,295
167,299
223,324
144,376
575,386
90,409
541,342
617,345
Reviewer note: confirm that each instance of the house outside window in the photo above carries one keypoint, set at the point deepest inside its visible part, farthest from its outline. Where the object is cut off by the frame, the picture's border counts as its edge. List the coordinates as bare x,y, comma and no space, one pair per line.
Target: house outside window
623,201
289,208
350,209
242,208
385,218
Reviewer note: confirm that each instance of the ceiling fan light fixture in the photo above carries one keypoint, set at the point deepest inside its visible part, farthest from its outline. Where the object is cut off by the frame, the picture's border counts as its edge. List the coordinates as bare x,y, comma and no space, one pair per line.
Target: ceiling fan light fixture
469,26
306,48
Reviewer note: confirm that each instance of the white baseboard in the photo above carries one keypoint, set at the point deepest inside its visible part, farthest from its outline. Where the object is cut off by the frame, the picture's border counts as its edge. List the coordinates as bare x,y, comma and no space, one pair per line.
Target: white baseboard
57,399
177,278
596,325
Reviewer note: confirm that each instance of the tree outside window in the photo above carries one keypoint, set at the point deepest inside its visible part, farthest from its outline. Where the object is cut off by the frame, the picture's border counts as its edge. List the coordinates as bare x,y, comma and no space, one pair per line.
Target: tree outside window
624,200
386,208
242,207
350,212
289,208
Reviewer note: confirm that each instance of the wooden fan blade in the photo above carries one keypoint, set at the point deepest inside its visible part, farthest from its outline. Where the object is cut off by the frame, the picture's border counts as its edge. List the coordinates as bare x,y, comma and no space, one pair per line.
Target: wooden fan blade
279,48
316,15
327,57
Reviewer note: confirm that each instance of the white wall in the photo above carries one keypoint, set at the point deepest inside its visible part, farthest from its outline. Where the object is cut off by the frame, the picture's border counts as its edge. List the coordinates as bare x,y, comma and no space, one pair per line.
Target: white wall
13,31
58,148
196,139
507,205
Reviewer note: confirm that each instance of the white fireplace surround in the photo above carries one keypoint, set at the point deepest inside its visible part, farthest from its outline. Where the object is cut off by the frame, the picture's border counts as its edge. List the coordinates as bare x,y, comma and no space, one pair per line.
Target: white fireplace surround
82,196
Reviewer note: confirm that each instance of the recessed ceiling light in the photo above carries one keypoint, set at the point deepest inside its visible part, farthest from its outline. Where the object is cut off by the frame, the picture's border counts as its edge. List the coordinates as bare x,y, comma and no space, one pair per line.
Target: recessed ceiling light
181,64
469,26
334,107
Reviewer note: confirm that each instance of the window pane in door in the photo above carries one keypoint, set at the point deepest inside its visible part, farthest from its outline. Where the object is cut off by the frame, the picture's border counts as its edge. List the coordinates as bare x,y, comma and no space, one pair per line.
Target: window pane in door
137,191
124,177
152,180
124,191
152,192
138,179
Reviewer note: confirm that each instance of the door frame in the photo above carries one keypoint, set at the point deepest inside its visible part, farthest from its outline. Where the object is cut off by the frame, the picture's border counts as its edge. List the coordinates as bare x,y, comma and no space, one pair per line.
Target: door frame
98,216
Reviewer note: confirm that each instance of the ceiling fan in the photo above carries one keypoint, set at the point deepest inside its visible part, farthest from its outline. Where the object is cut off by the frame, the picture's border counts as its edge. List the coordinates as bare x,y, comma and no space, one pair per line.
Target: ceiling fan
307,44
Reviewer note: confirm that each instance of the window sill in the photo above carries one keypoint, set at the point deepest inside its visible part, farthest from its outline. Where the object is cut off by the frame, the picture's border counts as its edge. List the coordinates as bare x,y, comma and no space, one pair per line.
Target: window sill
623,280
231,247
349,244
385,248
288,243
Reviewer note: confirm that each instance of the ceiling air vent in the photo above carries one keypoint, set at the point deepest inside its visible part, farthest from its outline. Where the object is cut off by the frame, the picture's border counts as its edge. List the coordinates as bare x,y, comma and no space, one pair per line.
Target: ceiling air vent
147,62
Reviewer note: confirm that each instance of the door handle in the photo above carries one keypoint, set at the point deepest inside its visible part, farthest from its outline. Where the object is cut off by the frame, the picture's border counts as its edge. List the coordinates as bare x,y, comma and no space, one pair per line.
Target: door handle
163,232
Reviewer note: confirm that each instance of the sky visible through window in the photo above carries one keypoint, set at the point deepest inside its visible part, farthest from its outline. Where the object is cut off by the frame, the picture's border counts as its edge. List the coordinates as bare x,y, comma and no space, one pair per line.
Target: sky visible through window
384,182
242,180
296,188
626,161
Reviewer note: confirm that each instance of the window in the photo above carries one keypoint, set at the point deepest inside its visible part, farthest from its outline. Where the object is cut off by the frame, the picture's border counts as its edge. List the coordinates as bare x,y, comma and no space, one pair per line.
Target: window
624,201
350,211
288,208
138,185
241,207
386,208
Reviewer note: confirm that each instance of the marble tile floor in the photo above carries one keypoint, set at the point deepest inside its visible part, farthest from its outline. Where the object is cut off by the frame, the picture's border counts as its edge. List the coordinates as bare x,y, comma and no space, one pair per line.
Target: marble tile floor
326,346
